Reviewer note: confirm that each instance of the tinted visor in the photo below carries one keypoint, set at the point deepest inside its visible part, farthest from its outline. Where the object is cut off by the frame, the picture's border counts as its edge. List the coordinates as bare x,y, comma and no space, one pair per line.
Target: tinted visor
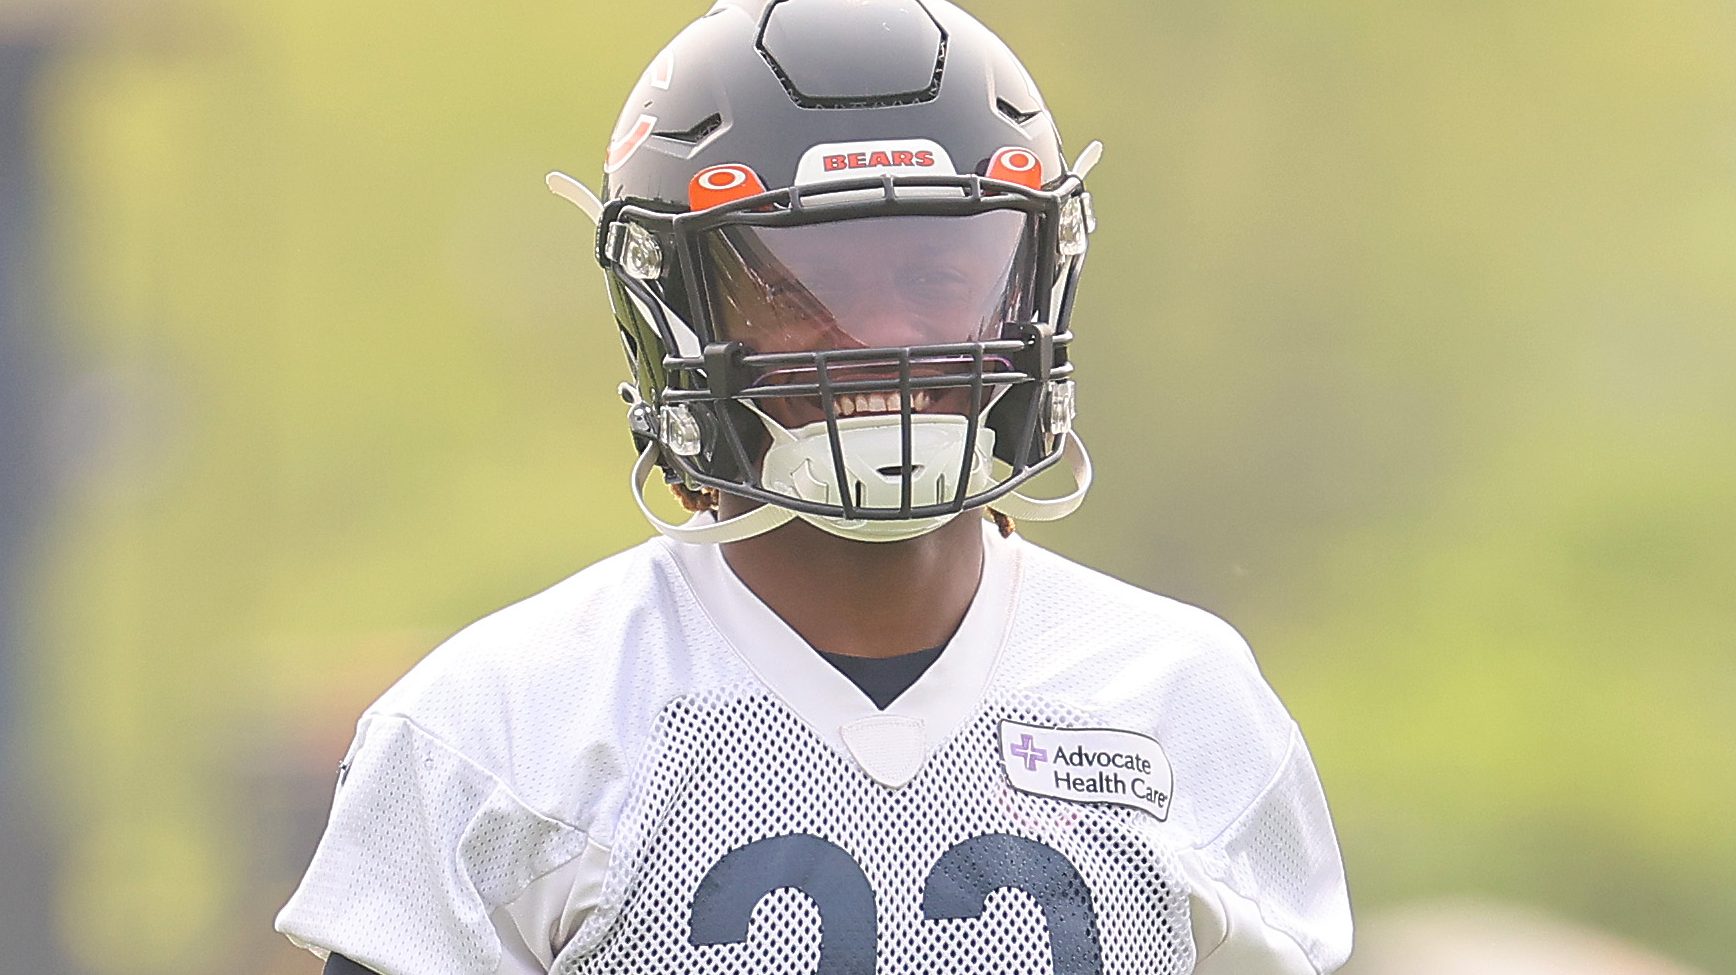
870,282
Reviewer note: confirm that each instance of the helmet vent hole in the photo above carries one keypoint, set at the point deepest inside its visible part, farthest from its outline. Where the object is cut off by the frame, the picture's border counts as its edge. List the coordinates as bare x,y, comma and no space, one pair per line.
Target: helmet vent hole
1013,111
697,133
854,54
898,470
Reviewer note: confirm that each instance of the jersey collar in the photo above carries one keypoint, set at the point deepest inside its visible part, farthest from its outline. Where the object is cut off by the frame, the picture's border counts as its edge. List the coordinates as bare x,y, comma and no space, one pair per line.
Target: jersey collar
890,745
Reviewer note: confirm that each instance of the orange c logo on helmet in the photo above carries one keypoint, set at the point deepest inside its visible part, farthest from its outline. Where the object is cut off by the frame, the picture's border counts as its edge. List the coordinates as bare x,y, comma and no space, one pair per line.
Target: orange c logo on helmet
1016,165
717,185
623,147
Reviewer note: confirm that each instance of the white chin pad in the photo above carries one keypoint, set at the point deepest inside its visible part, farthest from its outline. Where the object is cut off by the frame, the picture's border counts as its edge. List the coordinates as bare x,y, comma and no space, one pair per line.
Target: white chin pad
801,465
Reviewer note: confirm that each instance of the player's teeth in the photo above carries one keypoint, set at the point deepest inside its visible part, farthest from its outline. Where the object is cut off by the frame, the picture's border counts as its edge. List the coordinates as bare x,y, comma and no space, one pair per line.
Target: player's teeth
846,405
878,403
919,400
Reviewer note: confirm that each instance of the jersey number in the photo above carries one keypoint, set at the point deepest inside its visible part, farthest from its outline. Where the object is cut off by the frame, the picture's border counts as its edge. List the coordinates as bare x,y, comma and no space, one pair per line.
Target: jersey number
957,887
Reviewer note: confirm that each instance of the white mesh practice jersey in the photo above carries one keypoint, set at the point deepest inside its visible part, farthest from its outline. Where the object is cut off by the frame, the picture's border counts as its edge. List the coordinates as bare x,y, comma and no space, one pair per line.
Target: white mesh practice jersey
643,771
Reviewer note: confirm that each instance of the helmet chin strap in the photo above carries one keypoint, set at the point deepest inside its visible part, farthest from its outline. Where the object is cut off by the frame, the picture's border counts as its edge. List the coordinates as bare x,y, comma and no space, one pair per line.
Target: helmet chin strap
863,530
767,516
699,531
867,463
1026,508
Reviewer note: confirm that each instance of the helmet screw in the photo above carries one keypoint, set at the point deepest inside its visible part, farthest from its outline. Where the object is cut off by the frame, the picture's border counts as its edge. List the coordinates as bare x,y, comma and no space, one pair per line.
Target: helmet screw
1062,407
638,253
680,430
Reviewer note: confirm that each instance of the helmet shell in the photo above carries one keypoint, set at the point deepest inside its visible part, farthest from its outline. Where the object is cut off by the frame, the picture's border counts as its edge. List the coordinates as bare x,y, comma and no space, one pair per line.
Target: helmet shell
759,85
759,82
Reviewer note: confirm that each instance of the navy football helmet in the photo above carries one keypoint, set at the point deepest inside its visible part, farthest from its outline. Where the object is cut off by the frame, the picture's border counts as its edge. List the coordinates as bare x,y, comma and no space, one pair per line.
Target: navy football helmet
842,243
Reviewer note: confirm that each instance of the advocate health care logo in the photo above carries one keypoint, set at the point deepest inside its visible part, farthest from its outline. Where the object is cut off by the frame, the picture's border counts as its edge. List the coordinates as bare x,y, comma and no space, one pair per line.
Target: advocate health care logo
1100,765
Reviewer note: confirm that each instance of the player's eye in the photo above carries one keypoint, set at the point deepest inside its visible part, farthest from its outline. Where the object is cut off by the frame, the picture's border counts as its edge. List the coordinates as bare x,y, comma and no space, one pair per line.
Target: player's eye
941,285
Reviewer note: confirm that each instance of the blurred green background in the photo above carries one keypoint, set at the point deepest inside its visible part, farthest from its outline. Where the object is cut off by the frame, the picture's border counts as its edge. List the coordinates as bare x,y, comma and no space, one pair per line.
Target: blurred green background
1406,345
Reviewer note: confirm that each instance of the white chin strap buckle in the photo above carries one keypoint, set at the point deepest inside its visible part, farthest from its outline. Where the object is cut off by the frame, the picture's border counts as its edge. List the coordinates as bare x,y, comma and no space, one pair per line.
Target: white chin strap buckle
800,464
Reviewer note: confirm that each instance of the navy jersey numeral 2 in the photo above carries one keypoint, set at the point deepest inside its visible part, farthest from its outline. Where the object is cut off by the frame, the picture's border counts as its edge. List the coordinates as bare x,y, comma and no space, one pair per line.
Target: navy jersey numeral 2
957,887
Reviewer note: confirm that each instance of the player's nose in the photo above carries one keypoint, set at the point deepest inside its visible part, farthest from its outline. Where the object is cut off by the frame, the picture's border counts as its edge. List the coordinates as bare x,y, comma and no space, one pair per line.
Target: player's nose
888,323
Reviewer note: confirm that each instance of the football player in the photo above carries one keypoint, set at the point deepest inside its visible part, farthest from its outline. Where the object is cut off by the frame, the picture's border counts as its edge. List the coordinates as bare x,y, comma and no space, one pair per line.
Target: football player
843,720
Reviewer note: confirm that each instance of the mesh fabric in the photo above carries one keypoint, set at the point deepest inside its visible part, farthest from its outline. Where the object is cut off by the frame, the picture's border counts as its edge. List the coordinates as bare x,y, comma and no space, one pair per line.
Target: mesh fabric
727,771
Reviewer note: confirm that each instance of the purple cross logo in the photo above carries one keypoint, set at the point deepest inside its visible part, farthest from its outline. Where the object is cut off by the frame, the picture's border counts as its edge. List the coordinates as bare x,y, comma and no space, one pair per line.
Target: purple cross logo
1027,749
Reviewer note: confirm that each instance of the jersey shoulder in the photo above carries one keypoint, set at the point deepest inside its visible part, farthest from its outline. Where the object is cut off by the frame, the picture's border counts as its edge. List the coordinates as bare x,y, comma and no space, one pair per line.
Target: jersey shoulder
1097,615
563,685
1124,658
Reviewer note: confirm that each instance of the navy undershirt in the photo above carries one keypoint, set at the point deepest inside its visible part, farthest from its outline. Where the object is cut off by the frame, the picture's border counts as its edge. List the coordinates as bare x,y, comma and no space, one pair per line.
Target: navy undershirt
883,678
